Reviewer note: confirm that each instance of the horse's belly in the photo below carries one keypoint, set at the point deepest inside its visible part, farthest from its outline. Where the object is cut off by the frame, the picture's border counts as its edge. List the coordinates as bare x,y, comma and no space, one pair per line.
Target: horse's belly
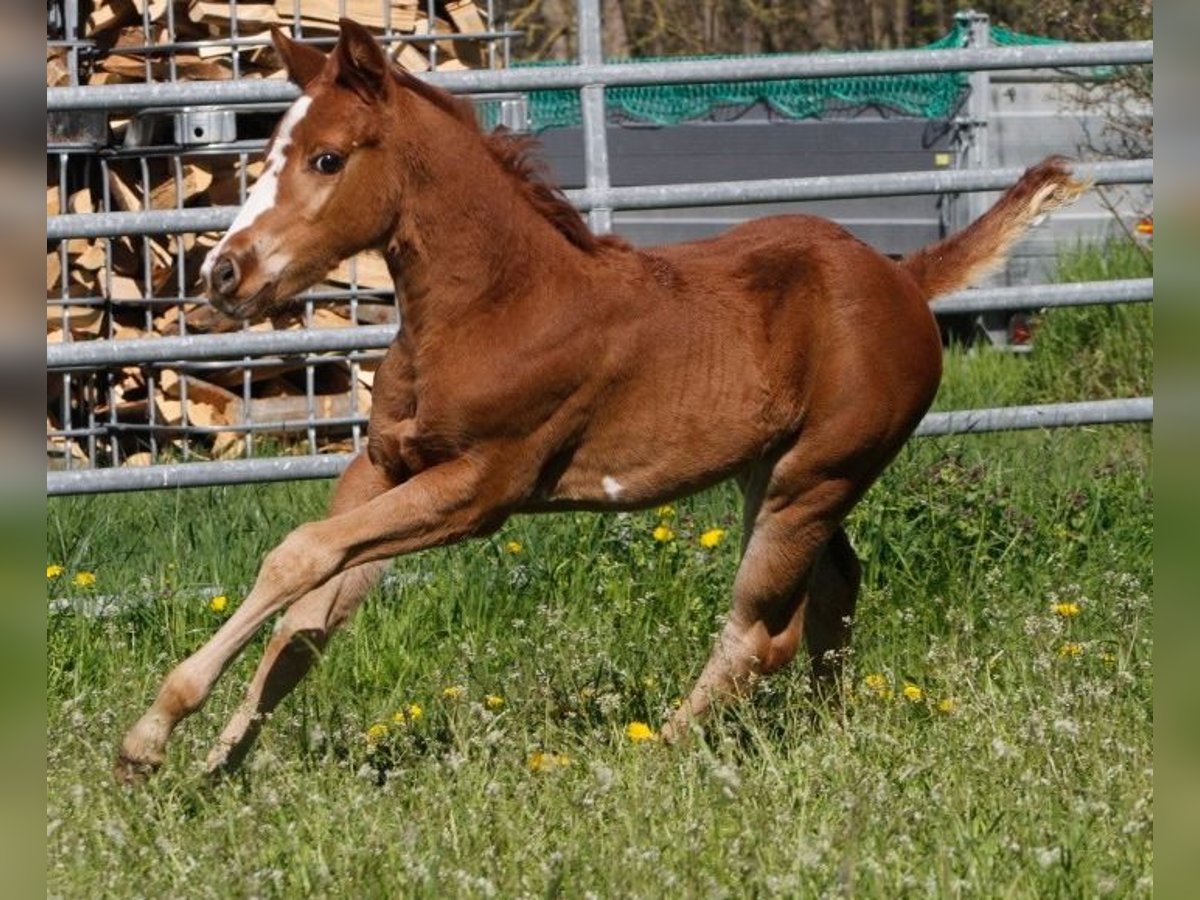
645,466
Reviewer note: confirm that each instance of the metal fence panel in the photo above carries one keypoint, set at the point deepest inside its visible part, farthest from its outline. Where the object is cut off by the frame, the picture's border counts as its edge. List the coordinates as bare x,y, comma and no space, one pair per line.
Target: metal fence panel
103,449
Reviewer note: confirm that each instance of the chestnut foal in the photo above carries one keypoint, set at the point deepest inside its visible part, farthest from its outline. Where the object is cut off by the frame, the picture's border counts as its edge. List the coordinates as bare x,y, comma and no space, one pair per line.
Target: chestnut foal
542,368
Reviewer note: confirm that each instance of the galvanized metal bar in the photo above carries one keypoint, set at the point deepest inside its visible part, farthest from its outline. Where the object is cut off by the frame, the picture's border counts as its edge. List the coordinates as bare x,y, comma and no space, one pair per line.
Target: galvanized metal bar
1029,296
192,347
816,65
594,120
722,193
972,130
195,474
1047,415
843,187
970,421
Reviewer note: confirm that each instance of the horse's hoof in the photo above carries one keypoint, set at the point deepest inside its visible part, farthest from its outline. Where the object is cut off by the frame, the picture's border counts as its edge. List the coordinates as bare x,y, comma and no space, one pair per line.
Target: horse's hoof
134,771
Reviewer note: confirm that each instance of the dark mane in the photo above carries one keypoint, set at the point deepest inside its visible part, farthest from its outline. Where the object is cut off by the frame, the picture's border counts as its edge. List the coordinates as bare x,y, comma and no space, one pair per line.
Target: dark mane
514,154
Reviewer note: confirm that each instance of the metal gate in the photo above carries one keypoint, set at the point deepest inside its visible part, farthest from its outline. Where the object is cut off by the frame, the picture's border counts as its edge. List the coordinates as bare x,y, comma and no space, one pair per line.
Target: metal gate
126,412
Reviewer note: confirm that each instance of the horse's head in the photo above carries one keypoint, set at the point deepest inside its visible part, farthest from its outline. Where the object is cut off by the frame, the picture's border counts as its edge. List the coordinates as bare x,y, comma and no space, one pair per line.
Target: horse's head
325,193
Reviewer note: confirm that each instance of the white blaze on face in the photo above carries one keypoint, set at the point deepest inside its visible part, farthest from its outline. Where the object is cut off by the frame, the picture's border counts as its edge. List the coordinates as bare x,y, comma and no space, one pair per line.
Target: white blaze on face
262,195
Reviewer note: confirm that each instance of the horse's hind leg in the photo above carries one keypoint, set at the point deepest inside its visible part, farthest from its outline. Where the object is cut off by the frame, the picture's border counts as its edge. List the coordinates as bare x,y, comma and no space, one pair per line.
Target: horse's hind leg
829,609
797,562
302,631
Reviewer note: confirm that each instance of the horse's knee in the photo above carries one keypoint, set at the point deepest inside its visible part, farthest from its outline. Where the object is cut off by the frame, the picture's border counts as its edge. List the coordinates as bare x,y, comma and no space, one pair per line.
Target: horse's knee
300,562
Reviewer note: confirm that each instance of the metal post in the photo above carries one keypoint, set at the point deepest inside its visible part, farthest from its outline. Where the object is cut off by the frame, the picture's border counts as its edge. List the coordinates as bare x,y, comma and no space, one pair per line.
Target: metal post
591,99
972,127
71,34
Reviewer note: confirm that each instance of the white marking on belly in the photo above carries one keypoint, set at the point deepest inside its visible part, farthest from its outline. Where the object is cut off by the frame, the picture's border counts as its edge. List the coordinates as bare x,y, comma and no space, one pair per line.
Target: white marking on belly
611,486
262,195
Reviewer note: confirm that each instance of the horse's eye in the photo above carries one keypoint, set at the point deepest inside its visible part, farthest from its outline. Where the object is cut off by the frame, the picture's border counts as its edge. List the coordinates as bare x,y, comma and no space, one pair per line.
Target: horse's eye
328,163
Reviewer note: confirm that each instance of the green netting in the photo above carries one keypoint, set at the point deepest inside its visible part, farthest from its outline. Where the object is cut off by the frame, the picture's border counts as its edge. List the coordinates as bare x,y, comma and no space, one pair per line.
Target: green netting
929,96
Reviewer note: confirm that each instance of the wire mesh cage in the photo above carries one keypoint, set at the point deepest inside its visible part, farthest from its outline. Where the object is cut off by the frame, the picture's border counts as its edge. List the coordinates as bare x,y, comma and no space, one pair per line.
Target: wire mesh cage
140,286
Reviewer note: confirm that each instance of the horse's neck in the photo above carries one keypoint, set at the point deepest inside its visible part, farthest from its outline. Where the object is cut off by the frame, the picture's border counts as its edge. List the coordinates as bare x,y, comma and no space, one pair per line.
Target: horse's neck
469,237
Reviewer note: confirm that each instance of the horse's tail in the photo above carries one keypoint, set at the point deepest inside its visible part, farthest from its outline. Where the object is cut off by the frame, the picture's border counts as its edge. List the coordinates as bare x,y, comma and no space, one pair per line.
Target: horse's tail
983,245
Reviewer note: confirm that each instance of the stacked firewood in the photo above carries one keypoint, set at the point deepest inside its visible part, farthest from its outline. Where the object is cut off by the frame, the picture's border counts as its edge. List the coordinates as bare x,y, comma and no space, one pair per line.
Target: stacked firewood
142,287
141,39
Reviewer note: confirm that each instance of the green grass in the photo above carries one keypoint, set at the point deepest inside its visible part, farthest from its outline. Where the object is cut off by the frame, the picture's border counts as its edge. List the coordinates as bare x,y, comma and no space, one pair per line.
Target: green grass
1035,782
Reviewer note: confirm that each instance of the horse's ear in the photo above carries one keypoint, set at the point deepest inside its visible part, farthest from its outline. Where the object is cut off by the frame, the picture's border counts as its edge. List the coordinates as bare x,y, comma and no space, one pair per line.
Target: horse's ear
361,63
303,62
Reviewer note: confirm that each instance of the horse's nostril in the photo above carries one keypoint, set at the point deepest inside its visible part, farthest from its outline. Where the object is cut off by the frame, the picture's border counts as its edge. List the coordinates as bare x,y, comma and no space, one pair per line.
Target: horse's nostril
225,276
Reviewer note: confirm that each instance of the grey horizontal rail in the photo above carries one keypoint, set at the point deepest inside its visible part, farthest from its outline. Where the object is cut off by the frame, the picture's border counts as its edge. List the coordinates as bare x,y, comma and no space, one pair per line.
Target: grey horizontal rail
1086,293
294,468
103,354
825,187
195,348
1048,415
843,187
195,474
821,65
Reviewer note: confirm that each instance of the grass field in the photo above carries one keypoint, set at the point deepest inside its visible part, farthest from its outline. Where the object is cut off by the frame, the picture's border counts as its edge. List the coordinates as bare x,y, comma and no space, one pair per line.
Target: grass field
468,734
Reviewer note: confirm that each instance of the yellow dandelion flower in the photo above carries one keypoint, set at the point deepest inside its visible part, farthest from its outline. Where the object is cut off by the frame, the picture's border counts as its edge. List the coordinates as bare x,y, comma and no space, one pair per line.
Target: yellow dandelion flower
544,761
1066,610
1070,649
376,733
877,684
398,717
54,571
640,731
712,537
493,701
945,705
218,603
513,547
662,534
454,692
415,712
911,692
84,579
666,511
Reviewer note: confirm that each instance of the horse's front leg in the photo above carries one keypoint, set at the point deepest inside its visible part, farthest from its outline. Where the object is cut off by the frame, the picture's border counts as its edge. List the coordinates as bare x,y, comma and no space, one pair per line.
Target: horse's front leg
441,505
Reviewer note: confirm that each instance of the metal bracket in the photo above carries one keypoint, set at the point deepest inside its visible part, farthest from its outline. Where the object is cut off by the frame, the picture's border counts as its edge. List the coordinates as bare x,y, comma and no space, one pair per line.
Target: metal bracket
190,126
